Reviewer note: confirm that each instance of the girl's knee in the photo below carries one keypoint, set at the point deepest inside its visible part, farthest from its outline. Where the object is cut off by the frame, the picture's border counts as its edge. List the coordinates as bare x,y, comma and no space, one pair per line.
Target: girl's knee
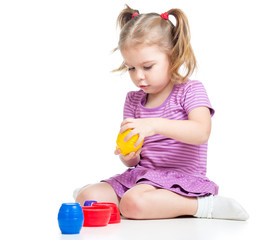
132,206
88,193
101,192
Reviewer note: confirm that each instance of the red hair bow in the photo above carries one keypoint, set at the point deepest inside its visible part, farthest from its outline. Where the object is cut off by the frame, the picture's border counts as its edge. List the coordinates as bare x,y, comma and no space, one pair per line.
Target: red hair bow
135,14
164,15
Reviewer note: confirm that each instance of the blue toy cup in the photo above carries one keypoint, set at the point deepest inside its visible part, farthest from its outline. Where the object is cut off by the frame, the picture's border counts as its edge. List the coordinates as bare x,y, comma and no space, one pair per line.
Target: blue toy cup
89,203
70,218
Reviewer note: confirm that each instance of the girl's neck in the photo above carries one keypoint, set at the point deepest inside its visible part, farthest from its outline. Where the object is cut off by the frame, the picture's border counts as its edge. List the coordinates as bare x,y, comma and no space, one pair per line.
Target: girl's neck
155,100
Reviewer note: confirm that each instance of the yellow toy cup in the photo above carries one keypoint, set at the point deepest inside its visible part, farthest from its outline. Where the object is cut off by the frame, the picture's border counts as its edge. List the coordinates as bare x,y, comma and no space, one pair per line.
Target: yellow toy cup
127,147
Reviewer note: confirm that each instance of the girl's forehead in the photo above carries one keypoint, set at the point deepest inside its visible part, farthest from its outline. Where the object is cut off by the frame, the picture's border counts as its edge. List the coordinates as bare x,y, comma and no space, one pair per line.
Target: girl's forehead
142,53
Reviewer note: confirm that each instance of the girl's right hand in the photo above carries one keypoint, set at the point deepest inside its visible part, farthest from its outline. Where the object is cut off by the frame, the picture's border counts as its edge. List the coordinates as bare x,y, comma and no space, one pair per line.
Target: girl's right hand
131,159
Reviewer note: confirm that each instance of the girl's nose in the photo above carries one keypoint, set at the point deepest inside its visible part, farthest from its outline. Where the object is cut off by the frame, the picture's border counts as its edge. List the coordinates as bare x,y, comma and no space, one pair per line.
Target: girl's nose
140,75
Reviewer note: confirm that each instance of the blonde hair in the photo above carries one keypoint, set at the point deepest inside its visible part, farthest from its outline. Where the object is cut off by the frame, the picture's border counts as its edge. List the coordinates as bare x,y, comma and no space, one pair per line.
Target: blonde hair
152,29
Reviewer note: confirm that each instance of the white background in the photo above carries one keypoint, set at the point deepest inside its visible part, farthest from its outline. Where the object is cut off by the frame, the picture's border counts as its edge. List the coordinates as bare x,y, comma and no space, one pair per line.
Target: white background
61,107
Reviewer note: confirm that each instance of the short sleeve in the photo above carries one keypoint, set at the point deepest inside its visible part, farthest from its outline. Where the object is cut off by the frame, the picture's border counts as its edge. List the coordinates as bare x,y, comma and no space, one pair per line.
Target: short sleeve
128,111
195,95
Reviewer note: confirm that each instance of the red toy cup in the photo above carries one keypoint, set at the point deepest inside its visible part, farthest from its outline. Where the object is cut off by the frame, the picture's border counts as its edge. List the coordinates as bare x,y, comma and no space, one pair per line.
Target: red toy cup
96,216
115,214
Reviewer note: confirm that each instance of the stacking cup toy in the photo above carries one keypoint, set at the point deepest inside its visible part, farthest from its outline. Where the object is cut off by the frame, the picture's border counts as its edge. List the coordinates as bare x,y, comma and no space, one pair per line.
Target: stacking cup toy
70,218
96,216
89,203
115,213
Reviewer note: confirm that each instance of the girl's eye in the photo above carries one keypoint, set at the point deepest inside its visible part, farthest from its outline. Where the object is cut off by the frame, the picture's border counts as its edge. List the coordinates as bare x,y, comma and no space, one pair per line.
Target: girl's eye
131,68
147,68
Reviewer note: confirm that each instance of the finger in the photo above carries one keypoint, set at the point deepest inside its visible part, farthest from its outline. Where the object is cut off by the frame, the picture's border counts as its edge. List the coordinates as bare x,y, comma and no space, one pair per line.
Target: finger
129,135
128,156
131,155
117,151
138,142
125,121
125,127
138,152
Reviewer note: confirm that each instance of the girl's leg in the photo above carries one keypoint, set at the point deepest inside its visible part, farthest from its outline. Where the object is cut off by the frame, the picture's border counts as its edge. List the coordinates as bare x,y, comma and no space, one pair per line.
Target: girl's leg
101,192
148,202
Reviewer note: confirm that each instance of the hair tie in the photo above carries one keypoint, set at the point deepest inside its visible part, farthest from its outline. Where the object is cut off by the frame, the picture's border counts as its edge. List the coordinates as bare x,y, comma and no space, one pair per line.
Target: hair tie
135,14
165,16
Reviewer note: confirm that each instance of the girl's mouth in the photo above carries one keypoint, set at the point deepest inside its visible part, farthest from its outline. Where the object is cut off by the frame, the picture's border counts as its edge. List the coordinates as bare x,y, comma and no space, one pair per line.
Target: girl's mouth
143,86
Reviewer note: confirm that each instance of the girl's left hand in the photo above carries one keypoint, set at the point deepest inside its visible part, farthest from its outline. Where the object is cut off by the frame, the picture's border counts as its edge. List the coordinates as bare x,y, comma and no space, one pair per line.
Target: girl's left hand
142,126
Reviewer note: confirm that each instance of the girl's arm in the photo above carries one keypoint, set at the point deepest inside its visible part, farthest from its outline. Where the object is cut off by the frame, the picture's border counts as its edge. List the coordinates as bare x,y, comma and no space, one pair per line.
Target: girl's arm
196,130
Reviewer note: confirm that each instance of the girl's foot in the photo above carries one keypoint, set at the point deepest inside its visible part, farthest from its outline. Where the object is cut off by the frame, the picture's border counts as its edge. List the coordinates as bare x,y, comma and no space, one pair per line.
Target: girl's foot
220,208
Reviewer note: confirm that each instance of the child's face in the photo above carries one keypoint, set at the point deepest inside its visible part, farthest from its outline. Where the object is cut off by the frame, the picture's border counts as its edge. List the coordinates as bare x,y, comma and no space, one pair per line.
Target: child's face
148,67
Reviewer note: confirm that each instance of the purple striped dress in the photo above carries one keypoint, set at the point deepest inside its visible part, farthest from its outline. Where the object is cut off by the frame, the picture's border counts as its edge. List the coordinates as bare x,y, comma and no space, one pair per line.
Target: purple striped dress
165,162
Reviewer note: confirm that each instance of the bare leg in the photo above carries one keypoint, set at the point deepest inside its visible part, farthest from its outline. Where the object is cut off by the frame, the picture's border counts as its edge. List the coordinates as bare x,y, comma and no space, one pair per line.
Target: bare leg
101,192
147,202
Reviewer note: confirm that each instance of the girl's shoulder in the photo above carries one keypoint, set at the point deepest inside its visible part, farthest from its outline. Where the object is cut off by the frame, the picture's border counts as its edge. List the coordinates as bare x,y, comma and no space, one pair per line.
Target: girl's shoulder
188,88
189,84
192,94
135,96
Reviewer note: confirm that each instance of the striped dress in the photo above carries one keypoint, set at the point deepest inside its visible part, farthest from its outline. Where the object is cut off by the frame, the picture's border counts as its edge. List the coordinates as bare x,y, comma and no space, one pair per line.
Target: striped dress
167,163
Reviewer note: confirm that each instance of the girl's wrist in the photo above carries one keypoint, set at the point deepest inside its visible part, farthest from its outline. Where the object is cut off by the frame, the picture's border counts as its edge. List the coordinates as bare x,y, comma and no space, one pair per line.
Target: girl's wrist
131,162
156,123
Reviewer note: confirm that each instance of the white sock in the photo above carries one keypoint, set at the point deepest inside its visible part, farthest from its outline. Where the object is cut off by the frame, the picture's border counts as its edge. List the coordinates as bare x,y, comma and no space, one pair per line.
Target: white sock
75,193
205,207
220,208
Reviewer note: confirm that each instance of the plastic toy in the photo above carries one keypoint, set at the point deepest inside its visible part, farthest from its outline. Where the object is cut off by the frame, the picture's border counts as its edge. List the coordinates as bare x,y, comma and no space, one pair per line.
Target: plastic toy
70,218
89,203
115,213
96,216
127,147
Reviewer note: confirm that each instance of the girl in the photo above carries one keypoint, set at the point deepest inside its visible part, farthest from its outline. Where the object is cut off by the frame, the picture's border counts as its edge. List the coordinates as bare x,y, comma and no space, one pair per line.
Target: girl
172,114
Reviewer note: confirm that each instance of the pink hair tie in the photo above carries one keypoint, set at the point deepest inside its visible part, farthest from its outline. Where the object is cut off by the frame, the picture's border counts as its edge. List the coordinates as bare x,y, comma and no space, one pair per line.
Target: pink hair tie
165,16
135,14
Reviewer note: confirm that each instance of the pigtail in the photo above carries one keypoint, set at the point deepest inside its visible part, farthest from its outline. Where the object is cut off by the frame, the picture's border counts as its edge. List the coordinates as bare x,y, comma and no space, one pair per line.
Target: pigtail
125,16
182,53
